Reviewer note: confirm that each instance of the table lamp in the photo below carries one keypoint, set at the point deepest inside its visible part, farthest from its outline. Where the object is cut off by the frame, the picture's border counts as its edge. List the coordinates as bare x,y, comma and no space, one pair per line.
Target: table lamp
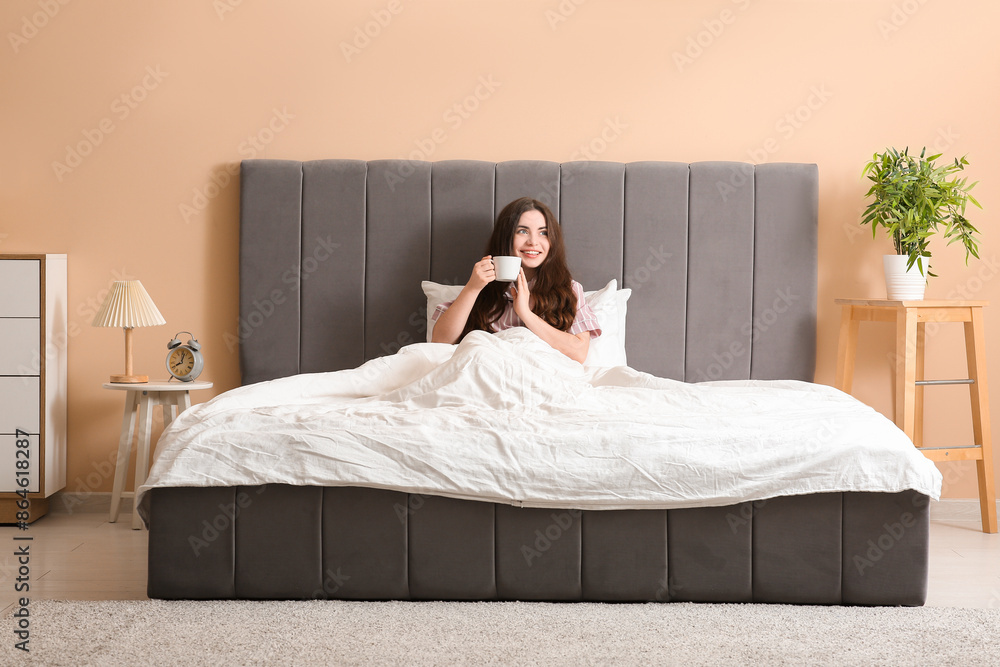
128,306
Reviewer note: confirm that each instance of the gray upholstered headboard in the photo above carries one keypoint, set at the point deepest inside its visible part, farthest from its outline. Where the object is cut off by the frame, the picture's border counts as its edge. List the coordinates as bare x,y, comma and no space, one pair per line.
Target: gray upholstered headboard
720,257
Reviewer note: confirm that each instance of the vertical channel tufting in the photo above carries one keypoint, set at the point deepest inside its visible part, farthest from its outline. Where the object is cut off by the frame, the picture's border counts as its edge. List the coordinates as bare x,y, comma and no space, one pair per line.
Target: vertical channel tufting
396,254
709,553
720,272
276,516
592,205
365,543
527,178
270,235
192,542
538,554
452,555
624,555
655,265
332,265
885,548
684,228
462,195
784,302
797,546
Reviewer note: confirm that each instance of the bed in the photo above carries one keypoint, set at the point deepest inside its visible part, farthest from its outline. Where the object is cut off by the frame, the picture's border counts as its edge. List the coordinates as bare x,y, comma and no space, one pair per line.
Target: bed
720,259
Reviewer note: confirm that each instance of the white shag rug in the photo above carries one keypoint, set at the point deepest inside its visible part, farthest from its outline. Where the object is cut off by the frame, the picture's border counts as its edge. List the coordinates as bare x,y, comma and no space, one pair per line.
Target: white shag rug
497,633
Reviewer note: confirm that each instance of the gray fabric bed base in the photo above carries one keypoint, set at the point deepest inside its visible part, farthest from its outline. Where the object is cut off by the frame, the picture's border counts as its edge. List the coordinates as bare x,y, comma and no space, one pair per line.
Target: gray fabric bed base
292,542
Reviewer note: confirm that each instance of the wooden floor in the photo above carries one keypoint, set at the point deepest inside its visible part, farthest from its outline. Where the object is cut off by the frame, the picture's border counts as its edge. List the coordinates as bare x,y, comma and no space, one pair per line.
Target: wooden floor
81,556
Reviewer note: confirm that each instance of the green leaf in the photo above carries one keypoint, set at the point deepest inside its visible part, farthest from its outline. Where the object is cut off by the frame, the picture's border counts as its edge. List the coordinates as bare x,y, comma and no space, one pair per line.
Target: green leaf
913,198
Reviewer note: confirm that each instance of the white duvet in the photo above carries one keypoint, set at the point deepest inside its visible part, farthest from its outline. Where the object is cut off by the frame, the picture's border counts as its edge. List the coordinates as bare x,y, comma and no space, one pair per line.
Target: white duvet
505,418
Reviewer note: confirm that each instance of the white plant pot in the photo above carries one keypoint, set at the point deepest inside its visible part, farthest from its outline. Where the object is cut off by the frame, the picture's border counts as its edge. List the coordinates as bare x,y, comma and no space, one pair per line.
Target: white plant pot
900,284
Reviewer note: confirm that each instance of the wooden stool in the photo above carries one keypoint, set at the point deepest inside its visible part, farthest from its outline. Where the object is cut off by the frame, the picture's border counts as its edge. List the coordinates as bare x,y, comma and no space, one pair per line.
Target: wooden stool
910,318
140,400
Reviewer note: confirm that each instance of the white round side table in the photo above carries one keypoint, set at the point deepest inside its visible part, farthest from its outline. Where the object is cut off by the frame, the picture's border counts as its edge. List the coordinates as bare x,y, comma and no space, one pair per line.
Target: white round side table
174,398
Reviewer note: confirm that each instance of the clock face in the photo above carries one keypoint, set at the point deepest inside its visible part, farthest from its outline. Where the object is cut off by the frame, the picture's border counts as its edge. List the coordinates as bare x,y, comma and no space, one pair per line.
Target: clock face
181,361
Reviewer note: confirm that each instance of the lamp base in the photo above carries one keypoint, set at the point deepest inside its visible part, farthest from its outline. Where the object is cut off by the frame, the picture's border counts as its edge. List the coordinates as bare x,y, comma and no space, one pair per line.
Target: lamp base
129,379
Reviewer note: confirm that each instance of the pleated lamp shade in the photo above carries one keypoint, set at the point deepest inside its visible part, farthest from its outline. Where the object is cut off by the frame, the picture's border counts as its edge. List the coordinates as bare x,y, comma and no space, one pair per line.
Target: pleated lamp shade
128,306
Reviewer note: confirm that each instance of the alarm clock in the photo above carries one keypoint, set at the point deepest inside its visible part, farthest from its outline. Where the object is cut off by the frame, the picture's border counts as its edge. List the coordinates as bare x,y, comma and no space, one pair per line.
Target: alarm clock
184,360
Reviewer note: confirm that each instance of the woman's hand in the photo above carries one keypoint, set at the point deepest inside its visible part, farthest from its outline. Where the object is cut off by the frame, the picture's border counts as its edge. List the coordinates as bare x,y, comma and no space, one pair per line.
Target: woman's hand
483,273
452,322
522,297
574,346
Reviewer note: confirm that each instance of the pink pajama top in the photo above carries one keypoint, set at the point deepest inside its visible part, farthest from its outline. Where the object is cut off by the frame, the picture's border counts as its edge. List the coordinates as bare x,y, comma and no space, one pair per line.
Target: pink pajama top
585,319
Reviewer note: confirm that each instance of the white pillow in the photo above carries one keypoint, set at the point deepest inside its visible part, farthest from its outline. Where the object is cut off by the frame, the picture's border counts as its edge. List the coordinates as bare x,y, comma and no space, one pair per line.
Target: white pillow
608,304
436,294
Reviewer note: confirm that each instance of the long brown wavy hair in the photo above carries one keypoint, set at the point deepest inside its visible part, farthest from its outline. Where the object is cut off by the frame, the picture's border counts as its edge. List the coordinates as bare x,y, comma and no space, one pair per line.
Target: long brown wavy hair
552,292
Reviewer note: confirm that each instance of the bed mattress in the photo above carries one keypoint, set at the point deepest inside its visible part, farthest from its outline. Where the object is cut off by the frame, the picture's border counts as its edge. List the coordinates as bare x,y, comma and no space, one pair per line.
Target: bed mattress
504,418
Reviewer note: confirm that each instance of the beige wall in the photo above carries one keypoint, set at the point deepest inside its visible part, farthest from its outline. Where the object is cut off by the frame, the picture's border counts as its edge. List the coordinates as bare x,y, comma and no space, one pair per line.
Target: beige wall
160,100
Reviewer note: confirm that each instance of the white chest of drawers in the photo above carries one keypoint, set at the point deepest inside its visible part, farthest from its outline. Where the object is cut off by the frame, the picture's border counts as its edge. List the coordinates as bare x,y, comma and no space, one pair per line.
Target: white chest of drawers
33,341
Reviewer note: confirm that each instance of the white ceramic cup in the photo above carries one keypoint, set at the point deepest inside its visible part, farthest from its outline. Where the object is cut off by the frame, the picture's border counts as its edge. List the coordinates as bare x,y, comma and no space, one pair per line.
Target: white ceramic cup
507,268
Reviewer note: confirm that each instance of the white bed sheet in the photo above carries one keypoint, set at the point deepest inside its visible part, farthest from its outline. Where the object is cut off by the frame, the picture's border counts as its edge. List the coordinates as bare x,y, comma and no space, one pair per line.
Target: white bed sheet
505,418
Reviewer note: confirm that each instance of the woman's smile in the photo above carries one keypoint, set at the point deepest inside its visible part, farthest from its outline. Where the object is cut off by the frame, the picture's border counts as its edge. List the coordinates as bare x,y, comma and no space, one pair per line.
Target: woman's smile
531,239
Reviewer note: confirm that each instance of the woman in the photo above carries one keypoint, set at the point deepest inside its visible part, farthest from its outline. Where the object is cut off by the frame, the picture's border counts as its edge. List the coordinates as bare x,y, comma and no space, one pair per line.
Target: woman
544,298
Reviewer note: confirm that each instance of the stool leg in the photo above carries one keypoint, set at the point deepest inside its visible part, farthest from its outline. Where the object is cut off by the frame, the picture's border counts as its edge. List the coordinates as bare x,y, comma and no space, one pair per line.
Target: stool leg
847,347
124,452
918,390
142,451
906,369
170,411
975,350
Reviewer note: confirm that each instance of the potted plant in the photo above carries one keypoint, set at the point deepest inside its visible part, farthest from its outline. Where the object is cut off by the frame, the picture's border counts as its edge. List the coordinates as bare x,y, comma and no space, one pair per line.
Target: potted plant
914,199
